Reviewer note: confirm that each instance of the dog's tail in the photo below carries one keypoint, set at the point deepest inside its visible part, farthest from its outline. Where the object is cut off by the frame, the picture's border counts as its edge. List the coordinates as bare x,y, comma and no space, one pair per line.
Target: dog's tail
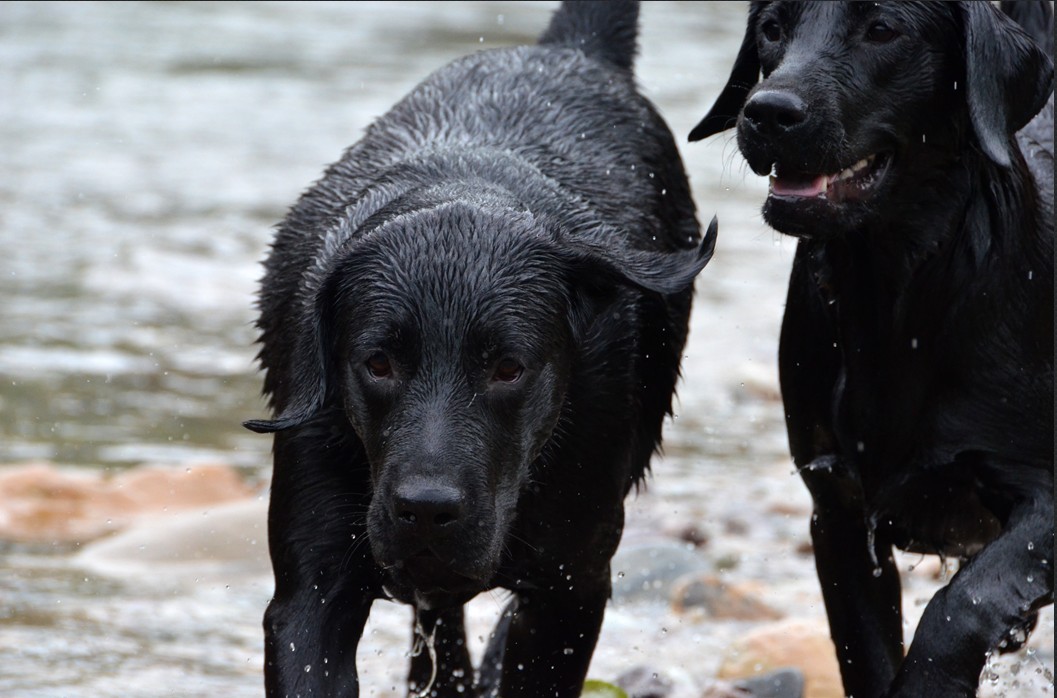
1035,18
603,29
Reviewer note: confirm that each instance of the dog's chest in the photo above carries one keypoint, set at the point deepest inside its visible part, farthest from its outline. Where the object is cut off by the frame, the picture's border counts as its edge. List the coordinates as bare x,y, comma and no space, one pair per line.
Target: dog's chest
936,511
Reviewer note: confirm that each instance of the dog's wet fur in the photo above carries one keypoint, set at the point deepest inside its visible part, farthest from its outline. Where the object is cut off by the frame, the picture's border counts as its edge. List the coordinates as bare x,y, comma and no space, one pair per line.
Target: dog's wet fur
471,329
910,149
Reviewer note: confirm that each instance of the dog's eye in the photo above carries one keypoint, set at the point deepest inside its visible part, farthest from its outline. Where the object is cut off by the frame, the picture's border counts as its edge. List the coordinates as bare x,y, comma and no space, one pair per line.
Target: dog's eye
378,365
880,33
771,31
507,371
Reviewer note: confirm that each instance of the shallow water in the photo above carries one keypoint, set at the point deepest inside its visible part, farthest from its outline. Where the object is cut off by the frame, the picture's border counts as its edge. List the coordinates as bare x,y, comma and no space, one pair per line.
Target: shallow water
146,149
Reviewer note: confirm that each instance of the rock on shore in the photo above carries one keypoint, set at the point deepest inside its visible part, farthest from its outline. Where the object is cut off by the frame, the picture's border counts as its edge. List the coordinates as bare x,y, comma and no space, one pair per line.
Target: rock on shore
45,504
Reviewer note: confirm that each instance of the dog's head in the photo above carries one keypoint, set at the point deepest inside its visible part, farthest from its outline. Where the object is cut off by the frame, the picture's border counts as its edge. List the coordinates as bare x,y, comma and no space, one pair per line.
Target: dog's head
860,100
449,335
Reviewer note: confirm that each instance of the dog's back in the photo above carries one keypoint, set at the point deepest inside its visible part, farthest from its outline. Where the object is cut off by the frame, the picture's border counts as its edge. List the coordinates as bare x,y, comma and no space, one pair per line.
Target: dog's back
567,109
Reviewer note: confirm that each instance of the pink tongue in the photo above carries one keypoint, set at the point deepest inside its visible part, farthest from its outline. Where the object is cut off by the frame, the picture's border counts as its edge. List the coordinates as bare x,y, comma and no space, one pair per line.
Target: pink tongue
784,187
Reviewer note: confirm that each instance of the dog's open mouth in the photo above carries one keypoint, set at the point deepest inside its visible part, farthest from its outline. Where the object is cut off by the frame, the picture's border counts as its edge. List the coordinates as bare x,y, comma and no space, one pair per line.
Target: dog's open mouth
853,183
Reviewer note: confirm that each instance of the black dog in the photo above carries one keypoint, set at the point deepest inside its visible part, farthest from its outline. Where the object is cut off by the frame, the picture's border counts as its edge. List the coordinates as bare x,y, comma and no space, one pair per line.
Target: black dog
916,353
471,329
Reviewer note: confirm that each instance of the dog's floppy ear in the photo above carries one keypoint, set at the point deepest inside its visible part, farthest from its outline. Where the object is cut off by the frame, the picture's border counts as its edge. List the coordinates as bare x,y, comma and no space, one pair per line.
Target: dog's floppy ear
744,75
306,370
661,272
1009,78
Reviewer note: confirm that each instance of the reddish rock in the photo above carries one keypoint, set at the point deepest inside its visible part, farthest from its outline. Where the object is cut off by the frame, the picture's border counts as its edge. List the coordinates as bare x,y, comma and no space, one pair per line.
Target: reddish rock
801,643
715,598
42,503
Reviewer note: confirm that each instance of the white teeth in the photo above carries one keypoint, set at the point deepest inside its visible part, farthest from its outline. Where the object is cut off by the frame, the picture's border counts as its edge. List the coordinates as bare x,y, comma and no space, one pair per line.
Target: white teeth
854,169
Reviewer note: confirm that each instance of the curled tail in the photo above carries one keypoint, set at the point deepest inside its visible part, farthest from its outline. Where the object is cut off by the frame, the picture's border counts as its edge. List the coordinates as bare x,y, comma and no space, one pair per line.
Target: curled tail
603,29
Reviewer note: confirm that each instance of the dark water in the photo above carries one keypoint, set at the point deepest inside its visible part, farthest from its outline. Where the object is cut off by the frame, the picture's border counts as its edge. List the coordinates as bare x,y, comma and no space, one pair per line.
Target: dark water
146,149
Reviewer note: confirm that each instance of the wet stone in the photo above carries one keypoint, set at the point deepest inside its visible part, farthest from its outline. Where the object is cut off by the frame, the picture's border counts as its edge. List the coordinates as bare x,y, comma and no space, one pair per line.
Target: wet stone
647,572
711,596
782,683
803,644
42,503
645,682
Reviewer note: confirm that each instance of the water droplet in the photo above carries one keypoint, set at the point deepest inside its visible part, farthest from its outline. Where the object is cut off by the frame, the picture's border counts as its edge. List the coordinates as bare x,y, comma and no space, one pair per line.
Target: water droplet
292,648
308,668
1031,546
567,651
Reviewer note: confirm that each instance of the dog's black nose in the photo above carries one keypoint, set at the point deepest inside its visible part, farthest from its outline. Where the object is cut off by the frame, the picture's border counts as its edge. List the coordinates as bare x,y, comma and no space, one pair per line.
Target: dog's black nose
426,509
774,112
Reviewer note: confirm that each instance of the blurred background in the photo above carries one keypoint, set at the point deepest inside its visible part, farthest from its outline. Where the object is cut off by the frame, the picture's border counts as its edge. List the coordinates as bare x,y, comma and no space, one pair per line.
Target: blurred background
146,151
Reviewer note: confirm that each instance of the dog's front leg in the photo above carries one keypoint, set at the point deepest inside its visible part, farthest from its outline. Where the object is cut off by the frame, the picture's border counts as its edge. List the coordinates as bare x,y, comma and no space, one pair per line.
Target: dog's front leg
309,653
325,577
544,643
859,580
440,661
987,605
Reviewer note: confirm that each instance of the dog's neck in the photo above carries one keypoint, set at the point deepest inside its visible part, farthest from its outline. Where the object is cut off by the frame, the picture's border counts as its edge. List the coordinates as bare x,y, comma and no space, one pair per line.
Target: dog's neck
989,223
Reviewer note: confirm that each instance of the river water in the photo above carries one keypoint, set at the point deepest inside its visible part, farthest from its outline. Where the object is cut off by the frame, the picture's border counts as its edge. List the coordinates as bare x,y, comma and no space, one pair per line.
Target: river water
146,149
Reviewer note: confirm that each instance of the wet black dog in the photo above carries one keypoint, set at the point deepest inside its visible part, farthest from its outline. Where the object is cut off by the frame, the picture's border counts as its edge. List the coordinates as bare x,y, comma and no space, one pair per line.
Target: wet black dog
916,353
471,329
